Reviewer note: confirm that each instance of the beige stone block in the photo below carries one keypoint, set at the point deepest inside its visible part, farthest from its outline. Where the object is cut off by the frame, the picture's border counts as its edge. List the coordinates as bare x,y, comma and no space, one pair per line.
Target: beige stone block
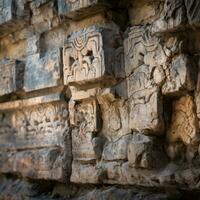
184,123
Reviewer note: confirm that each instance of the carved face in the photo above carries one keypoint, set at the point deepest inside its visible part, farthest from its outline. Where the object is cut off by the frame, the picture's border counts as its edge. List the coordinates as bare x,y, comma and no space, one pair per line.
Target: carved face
83,58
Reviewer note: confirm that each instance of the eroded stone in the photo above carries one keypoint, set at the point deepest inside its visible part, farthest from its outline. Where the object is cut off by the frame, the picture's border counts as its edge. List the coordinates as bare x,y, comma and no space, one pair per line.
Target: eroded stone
35,140
86,121
13,16
80,8
11,79
184,123
144,152
43,72
180,76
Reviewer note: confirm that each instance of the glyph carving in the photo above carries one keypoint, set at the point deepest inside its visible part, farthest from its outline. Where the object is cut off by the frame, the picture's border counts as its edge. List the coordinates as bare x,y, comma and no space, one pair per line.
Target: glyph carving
88,57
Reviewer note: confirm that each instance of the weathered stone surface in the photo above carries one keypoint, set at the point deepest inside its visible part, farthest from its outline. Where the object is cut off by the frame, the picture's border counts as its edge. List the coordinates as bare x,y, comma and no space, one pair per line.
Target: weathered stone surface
193,12
143,152
89,56
43,72
114,110
86,119
117,150
35,140
137,45
184,124
180,76
39,163
145,103
80,8
34,127
13,15
86,173
11,79
144,11
174,17
33,45
117,107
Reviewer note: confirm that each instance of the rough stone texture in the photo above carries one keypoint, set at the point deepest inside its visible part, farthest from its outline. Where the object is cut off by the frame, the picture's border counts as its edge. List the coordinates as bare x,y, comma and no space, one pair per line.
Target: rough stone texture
11,79
13,15
80,8
35,140
98,92
42,72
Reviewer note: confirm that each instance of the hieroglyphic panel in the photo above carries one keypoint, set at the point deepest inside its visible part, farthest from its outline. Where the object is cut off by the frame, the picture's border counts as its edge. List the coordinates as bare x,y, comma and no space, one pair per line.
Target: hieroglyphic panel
35,140
11,78
89,56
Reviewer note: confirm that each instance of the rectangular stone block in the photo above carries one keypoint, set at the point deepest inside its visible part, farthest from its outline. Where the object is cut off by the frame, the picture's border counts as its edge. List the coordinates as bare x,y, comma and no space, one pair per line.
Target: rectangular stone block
180,76
145,152
11,79
177,15
13,15
86,173
145,103
138,47
45,163
80,8
115,116
43,72
35,138
93,54
86,119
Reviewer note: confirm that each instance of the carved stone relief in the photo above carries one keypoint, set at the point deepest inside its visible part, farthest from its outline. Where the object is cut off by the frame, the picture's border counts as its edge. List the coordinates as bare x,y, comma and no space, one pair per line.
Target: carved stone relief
87,122
89,57
35,141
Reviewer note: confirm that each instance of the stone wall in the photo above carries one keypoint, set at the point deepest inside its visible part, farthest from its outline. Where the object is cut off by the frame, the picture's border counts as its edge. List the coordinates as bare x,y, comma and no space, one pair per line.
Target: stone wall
99,99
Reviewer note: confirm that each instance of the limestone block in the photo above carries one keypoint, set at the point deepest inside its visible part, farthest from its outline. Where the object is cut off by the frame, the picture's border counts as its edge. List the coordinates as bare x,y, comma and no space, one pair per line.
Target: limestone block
86,173
173,18
11,78
144,152
35,138
80,8
114,116
180,76
117,150
33,45
44,125
87,121
13,15
137,45
145,102
45,163
93,54
43,72
144,11
184,123
177,14
193,12
197,96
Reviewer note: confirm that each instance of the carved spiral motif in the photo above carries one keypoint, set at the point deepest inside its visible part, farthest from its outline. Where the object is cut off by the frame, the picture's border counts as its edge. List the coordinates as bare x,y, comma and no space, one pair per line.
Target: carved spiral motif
80,42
